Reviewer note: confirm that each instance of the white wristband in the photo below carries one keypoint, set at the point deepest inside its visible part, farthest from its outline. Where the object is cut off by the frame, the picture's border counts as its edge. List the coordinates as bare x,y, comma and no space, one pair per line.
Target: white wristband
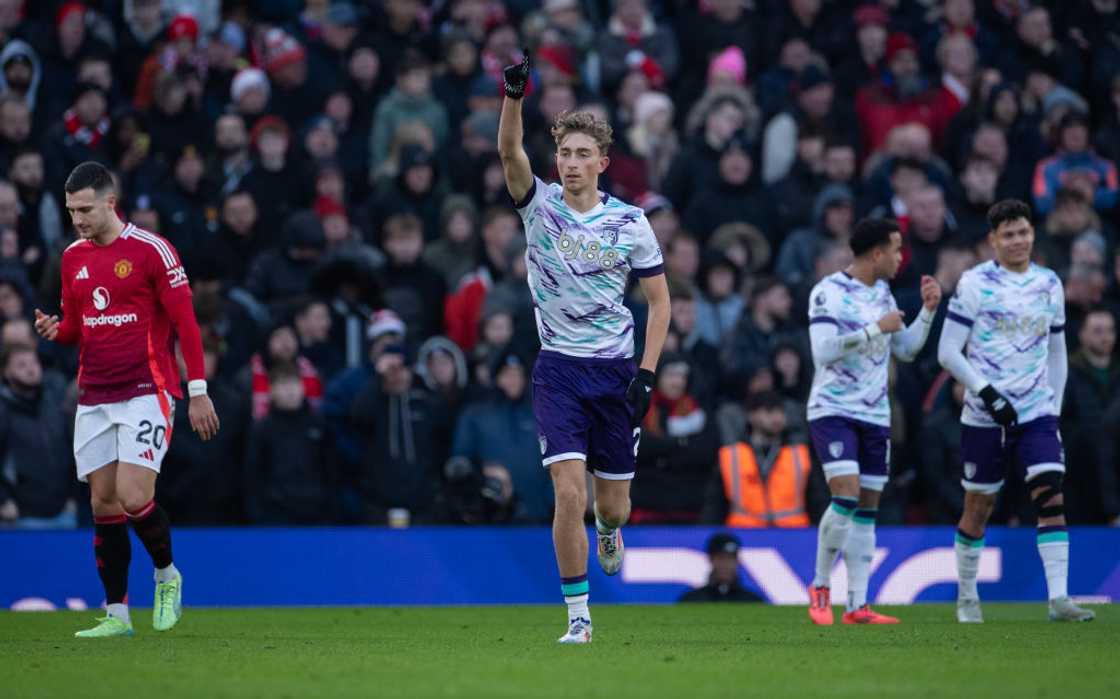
873,331
196,388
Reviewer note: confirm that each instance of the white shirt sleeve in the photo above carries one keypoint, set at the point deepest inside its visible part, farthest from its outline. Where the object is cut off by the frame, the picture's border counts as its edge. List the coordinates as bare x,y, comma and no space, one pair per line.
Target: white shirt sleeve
827,344
529,205
1057,364
906,344
645,257
955,333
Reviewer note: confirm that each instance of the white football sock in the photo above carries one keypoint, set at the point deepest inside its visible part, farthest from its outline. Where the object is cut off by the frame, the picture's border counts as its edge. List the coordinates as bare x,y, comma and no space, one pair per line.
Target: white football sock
118,611
1055,561
968,565
858,552
832,533
166,574
577,608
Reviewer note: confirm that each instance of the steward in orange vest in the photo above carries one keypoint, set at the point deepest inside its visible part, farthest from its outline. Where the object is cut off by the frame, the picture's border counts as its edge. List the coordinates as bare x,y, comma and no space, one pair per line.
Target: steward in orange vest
764,480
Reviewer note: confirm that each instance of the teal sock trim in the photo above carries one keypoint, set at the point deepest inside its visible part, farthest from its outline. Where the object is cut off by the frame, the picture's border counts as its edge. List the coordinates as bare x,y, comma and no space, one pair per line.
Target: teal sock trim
865,515
971,543
1053,538
573,589
841,510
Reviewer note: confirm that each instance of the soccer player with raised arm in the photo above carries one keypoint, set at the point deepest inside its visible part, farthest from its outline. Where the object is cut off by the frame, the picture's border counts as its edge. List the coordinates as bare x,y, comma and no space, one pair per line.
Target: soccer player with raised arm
854,327
1004,339
125,299
588,401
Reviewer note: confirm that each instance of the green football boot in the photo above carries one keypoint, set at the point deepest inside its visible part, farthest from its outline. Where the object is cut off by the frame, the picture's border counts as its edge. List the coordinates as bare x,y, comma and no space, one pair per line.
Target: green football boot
168,604
106,628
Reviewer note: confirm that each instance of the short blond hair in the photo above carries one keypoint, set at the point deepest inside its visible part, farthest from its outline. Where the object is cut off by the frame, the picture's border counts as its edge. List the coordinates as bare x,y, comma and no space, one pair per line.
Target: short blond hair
585,123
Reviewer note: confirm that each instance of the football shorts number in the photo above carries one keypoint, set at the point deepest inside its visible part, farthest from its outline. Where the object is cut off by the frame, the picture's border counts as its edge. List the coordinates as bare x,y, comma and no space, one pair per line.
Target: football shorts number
157,432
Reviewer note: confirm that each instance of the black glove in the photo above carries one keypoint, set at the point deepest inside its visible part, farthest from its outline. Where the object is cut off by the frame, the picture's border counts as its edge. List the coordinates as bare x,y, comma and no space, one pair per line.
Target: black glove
517,78
638,395
999,407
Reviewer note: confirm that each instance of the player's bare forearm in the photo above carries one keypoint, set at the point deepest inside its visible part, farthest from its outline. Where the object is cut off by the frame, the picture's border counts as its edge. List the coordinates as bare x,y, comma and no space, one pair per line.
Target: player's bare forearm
515,162
656,291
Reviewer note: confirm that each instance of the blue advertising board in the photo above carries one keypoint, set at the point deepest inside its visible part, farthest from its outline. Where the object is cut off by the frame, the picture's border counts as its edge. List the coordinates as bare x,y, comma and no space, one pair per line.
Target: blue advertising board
482,565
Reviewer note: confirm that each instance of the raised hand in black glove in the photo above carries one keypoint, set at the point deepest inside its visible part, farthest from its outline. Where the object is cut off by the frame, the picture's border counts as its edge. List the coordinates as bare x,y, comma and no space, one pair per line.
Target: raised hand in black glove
638,395
999,407
517,78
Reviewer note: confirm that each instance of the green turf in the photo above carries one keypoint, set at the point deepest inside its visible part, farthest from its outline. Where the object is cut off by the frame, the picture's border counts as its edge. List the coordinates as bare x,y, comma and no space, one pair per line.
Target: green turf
645,652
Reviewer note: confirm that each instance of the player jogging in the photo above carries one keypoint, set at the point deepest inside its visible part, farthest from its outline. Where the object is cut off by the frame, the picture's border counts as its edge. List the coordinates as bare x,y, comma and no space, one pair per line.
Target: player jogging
587,399
1010,313
854,327
124,292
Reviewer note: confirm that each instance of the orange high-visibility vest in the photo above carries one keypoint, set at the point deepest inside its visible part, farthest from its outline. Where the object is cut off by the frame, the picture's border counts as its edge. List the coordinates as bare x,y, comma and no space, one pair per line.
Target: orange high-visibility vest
777,501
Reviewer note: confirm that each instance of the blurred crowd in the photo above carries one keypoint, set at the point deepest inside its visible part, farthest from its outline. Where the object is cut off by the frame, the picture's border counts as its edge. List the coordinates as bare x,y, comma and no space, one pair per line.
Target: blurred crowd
328,172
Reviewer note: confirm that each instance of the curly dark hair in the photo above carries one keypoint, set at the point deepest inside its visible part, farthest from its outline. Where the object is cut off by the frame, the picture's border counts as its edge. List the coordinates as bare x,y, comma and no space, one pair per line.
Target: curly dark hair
586,123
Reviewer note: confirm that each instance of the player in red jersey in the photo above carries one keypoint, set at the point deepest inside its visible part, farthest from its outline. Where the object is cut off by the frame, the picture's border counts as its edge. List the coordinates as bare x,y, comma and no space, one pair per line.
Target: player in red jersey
125,299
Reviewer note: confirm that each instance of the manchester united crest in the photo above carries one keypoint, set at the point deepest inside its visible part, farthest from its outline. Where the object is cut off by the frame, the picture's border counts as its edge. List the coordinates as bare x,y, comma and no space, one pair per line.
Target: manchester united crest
123,268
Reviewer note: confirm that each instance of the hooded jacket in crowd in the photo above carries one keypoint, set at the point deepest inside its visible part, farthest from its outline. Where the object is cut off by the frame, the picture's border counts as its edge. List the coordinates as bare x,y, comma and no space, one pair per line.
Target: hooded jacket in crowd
36,466
289,469
406,447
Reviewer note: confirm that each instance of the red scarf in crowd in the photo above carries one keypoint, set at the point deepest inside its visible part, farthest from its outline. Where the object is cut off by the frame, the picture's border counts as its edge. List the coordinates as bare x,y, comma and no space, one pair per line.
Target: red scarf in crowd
82,133
262,397
685,414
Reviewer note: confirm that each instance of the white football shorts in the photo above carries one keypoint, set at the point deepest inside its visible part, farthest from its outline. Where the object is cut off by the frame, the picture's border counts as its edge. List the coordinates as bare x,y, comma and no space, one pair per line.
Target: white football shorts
136,431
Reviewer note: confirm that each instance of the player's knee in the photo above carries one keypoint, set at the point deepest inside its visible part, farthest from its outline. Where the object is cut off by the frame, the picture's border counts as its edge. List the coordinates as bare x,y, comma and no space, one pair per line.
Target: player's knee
571,498
104,503
133,496
1046,495
613,514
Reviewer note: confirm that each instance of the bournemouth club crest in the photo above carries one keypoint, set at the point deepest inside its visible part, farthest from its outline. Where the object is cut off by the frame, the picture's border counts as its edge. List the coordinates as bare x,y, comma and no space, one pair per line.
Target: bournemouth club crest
969,470
123,268
836,449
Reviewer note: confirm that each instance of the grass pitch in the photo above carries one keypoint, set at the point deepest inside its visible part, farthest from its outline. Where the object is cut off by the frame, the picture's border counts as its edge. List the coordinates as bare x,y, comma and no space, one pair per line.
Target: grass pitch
646,652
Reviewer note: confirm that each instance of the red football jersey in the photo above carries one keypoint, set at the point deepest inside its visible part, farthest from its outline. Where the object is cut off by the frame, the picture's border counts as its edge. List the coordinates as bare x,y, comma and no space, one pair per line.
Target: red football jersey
119,295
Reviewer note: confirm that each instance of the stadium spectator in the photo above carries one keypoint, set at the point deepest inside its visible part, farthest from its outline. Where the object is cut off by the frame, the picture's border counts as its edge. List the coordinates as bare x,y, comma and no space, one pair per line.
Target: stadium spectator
273,177
864,66
762,477
900,96
764,324
311,320
1092,396
454,253
833,218
684,338
21,73
498,436
794,193
814,107
410,100
412,288
195,466
37,488
182,204
734,196
232,160
710,124
724,584
15,127
634,41
940,464
679,442
280,274
40,217
651,136
384,329
289,468
719,302
405,429
1071,217
1075,166
81,135
281,346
